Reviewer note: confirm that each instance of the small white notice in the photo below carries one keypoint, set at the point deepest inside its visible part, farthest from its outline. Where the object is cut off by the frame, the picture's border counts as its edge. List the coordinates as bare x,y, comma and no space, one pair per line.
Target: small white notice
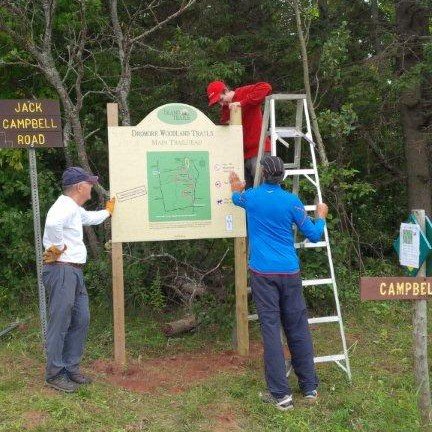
229,222
409,247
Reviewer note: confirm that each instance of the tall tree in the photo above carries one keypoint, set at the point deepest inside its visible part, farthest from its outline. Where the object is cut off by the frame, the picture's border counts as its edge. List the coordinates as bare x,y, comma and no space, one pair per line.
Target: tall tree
412,23
31,27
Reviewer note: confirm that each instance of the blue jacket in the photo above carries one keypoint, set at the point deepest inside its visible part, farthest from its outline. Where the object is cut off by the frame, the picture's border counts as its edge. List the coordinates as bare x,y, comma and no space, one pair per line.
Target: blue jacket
270,213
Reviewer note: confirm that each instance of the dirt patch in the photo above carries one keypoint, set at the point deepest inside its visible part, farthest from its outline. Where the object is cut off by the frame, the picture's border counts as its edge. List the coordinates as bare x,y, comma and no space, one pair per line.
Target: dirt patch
224,419
174,374
33,419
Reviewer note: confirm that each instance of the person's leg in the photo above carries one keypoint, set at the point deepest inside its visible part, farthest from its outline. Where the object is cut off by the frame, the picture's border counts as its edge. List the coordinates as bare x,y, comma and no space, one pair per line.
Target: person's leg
60,284
77,333
295,323
266,297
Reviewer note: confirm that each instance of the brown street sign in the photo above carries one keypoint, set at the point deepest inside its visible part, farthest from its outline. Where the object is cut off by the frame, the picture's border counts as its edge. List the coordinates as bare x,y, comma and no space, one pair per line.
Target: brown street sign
26,123
395,288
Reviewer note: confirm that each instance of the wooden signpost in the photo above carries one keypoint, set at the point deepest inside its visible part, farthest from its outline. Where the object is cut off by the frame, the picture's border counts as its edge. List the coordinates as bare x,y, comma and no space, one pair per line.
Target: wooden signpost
32,124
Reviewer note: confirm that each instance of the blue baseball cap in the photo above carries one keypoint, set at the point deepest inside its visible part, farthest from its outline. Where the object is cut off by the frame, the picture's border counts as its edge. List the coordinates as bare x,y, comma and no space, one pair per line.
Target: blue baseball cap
74,175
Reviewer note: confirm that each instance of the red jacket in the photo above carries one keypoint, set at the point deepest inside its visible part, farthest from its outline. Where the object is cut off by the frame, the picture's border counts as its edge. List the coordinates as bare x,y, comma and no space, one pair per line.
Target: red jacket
250,97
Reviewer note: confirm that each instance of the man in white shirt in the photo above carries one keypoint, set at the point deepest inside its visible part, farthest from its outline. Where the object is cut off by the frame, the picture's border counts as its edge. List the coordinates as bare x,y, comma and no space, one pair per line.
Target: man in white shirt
64,257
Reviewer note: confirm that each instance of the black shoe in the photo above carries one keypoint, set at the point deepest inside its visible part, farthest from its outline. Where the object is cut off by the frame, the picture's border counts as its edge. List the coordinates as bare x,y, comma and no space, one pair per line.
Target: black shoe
78,378
62,383
311,396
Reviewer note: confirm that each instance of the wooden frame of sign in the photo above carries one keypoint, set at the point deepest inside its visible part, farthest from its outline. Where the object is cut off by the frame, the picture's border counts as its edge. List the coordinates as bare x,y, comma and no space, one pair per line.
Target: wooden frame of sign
242,329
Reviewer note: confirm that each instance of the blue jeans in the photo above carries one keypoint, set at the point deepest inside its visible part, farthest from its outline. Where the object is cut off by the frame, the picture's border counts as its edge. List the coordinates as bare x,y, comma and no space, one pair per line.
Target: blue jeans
69,318
279,300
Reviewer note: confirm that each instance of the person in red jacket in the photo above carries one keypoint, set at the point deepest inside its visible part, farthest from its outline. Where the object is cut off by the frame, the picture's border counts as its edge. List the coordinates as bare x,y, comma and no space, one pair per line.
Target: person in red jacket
249,98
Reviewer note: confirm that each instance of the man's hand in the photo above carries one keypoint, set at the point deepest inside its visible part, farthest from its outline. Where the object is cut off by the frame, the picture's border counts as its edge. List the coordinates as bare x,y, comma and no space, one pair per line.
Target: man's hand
52,254
236,184
234,105
321,210
109,206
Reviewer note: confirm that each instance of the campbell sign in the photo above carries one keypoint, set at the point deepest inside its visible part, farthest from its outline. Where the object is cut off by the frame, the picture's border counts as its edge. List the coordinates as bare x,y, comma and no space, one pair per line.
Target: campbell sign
30,123
395,288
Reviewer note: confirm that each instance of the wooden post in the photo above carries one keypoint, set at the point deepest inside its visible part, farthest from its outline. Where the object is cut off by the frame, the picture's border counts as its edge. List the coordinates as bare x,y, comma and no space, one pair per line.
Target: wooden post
421,370
117,275
240,261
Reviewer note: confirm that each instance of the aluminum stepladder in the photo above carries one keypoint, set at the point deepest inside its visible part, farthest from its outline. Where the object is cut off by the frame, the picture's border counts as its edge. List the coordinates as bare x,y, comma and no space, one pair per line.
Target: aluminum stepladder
280,135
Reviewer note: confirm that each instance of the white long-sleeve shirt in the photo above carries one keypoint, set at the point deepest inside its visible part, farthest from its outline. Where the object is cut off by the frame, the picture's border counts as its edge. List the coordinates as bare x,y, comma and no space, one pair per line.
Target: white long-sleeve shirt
64,227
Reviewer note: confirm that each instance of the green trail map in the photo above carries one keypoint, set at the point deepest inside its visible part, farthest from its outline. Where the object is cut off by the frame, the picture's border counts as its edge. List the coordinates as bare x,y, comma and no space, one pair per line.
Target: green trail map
178,186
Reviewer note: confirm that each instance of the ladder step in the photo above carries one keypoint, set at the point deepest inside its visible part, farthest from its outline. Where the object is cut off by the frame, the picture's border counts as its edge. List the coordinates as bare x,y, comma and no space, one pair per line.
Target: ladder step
293,172
304,245
312,282
286,96
310,207
327,319
288,132
329,358
309,282
319,320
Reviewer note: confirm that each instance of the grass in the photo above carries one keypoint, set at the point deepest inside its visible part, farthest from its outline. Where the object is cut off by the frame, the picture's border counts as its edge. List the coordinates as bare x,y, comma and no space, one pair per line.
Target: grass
382,396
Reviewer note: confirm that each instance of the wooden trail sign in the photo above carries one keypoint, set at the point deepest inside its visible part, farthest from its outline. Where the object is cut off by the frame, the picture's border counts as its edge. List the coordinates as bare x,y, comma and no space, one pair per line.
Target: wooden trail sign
30,123
395,288
180,129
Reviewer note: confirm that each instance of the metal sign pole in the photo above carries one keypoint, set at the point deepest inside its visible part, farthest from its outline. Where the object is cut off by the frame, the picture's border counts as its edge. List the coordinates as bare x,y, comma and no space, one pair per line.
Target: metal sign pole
38,241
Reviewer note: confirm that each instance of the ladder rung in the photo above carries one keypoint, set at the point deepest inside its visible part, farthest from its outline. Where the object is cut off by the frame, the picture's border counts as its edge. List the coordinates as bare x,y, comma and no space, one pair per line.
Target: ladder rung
288,132
309,282
310,207
285,96
319,320
292,172
304,245
327,319
329,358
312,282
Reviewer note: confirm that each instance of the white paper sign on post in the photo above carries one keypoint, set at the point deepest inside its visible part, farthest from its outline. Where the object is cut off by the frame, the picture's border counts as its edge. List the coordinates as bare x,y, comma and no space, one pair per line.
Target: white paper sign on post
409,253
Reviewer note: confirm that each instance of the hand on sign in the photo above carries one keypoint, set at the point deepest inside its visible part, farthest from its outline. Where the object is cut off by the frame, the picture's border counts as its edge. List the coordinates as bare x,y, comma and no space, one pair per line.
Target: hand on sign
236,184
109,206
52,254
322,210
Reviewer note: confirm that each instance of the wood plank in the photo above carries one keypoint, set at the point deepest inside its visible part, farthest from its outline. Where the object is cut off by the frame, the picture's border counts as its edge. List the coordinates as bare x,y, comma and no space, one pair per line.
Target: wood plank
117,275
242,322
395,288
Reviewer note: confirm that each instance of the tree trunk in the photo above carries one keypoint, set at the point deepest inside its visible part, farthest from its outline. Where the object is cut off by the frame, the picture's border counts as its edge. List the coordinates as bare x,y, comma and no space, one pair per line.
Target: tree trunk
305,61
181,326
375,22
412,18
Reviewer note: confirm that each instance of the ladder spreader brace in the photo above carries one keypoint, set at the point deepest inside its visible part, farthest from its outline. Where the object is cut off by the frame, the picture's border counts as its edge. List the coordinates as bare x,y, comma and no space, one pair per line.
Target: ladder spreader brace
293,169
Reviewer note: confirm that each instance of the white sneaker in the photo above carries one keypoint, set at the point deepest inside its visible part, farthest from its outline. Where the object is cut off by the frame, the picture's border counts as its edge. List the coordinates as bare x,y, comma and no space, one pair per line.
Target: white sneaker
284,404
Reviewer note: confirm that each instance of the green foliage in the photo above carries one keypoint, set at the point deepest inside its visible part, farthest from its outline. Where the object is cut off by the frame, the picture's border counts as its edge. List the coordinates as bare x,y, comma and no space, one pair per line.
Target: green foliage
210,311
154,295
338,124
335,52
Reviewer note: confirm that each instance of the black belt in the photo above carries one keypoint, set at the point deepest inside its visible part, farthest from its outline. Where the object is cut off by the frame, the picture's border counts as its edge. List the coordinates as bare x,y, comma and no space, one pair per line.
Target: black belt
76,265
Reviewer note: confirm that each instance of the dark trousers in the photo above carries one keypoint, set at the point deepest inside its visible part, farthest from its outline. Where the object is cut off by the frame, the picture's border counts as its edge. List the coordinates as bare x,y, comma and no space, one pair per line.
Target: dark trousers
279,301
69,318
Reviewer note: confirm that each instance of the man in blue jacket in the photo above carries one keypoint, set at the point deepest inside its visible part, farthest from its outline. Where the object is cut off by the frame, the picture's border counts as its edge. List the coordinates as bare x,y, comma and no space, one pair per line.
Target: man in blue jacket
275,278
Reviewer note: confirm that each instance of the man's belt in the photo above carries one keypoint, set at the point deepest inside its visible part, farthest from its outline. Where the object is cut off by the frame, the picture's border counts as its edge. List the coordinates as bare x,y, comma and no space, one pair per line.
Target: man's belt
76,265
